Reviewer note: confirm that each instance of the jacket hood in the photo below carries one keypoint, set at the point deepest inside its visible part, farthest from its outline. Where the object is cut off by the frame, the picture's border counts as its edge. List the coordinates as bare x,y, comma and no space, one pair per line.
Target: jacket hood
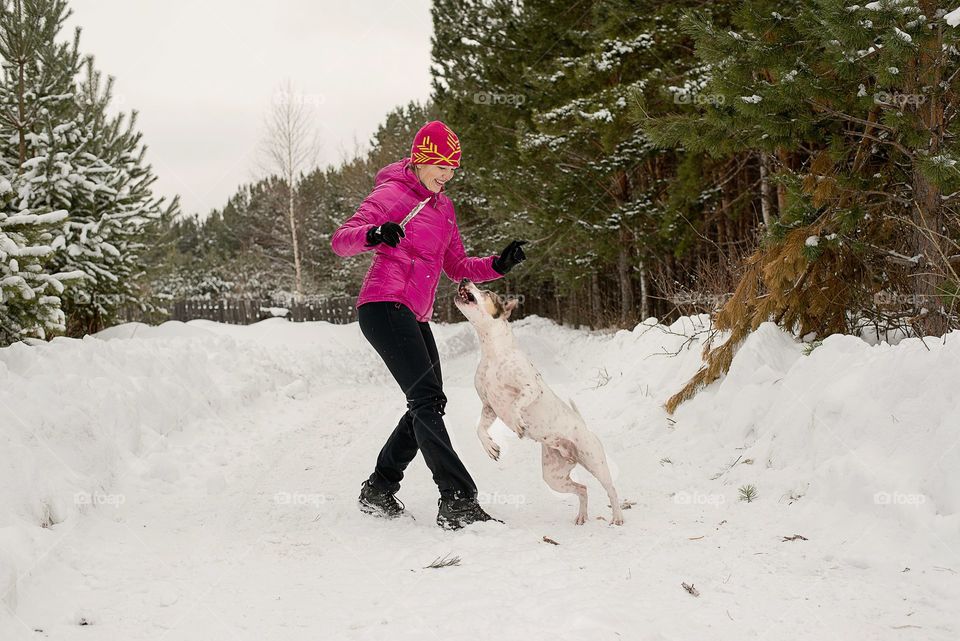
401,172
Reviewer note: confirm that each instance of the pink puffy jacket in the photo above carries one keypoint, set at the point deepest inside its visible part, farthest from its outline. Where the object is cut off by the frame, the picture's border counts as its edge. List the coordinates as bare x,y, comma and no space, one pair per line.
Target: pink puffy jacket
410,272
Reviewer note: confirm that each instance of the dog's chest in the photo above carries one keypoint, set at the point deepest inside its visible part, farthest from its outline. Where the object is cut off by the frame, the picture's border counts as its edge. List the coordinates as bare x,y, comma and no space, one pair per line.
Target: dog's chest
498,384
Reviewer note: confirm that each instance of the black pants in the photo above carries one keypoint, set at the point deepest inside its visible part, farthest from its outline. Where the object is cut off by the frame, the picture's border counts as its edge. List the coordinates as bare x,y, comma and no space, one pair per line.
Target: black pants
410,353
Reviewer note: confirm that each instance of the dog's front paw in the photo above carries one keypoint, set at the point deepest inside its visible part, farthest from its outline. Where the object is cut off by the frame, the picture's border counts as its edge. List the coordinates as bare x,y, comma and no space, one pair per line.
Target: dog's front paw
492,449
521,427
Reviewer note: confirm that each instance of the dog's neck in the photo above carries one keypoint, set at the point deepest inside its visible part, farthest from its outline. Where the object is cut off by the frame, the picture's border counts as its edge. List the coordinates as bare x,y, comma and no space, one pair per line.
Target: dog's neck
495,338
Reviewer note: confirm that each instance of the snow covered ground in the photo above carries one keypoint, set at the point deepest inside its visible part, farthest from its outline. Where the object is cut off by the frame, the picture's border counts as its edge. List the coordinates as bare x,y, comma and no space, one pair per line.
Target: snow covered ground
198,481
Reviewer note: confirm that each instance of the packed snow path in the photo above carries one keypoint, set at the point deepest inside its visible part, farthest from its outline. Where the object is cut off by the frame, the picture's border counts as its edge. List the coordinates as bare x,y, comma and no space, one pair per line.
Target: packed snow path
240,522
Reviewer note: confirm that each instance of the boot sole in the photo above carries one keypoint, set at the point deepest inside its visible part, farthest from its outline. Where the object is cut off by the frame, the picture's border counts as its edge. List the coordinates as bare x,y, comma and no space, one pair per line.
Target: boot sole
448,525
373,510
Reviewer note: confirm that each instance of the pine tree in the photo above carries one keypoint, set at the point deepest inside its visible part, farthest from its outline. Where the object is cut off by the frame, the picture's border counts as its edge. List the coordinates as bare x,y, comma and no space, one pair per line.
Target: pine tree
544,93
111,207
483,56
852,105
36,125
612,180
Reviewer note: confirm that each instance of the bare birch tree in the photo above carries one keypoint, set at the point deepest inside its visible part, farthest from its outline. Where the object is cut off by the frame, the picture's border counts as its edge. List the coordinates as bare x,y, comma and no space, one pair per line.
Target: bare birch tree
290,149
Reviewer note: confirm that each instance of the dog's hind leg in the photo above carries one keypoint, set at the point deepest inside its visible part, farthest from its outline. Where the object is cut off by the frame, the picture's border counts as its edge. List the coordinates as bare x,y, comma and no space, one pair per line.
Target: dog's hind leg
487,416
592,457
556,473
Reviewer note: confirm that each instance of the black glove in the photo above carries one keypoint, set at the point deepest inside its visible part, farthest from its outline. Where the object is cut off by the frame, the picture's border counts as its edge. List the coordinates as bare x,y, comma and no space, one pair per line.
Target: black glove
389,233
510,257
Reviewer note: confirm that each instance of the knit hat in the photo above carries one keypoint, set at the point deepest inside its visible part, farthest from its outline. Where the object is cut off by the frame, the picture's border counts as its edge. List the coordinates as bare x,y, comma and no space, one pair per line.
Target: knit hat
435,144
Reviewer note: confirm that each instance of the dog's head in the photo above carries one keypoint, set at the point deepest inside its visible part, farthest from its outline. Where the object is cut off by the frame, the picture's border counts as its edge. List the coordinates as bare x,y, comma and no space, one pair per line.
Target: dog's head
482,306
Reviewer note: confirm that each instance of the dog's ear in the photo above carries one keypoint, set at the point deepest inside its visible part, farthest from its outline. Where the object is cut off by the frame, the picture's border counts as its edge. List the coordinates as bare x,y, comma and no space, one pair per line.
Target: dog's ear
497,304
510,306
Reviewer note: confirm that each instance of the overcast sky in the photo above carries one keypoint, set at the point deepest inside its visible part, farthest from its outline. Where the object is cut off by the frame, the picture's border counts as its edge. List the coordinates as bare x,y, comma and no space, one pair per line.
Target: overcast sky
202,74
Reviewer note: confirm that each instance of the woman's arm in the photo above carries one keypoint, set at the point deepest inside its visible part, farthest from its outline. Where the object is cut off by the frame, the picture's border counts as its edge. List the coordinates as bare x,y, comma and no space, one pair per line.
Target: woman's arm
457,265
351,237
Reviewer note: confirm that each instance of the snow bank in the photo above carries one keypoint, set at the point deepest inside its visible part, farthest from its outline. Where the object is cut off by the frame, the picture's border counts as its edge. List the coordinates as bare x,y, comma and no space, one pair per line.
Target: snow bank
872,428
75,413
851,436
952,18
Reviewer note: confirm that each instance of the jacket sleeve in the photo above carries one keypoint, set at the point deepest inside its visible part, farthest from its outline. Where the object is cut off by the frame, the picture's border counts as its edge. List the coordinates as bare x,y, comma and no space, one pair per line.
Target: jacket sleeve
351,237
457,265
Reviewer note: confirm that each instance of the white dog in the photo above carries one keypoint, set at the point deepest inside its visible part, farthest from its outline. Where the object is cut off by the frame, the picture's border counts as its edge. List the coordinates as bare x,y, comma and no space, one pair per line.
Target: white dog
512,389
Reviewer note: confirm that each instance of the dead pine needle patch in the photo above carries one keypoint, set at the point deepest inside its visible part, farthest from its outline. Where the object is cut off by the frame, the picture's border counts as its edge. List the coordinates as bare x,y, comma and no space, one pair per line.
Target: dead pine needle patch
692,590
445,561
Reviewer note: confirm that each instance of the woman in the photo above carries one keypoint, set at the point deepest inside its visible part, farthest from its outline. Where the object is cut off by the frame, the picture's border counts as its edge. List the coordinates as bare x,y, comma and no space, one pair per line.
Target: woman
409,224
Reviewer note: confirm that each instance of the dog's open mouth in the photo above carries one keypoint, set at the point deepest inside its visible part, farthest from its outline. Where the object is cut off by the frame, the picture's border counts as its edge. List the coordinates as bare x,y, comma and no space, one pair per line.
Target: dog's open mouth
464,295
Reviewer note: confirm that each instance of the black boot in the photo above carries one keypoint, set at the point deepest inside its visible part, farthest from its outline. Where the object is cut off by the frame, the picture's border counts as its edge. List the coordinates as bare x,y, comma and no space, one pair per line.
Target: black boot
379,502
457,511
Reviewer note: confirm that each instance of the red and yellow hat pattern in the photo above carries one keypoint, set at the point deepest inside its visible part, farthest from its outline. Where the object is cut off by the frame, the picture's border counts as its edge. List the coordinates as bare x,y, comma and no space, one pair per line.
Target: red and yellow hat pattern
435,144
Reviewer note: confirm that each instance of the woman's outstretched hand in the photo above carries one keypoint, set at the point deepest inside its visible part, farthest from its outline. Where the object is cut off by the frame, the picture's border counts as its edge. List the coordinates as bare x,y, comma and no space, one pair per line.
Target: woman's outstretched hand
510,257
389,233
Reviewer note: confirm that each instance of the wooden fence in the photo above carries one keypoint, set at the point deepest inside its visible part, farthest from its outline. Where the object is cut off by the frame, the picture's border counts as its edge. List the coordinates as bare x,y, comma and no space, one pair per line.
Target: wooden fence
244,311
340,310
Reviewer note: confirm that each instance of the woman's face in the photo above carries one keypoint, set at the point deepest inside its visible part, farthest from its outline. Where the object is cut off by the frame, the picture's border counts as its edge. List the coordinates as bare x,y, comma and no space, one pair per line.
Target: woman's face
434,177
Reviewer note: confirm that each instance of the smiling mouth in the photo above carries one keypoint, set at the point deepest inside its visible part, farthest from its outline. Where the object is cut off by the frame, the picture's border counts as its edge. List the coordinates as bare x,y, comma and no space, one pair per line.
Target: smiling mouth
464,295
